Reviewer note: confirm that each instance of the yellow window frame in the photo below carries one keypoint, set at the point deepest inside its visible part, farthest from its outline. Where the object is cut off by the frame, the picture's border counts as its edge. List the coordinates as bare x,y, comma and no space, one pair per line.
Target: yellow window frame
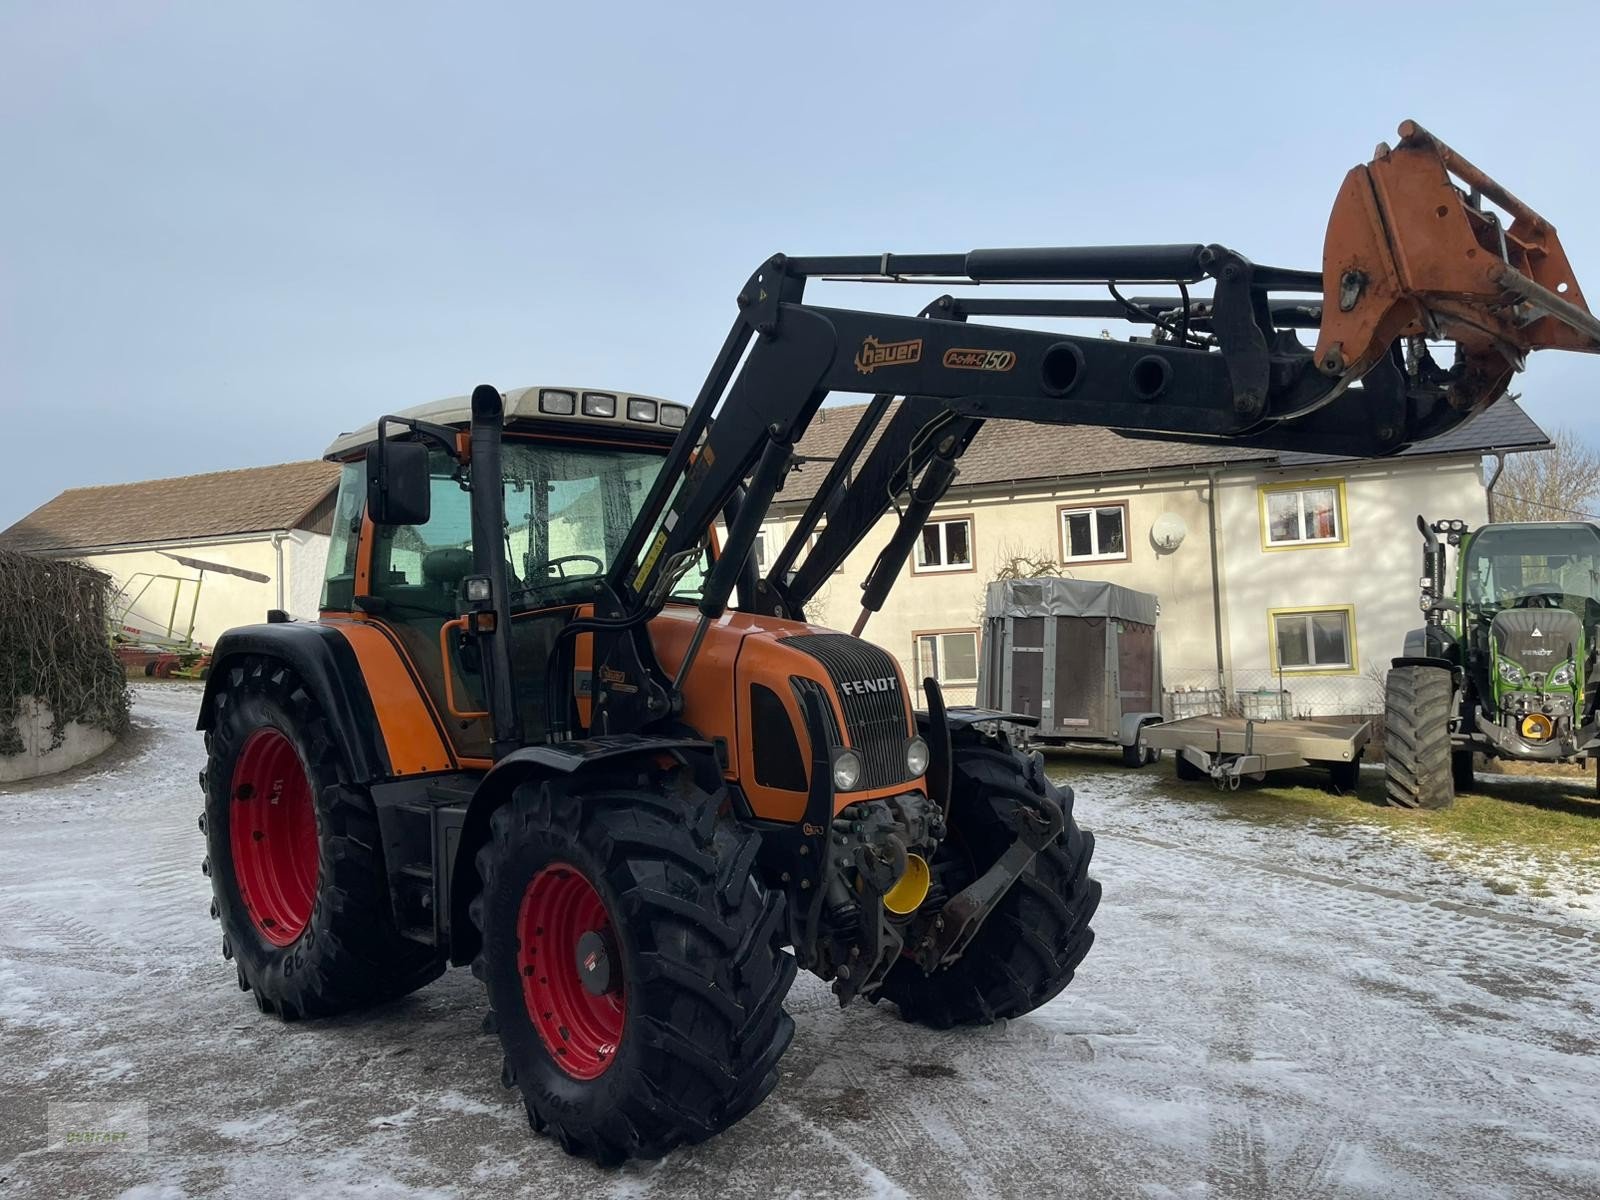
1349,611
1301,485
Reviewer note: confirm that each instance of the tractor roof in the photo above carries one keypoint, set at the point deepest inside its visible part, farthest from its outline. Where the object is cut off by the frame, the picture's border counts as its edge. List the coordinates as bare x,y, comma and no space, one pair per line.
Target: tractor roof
597,408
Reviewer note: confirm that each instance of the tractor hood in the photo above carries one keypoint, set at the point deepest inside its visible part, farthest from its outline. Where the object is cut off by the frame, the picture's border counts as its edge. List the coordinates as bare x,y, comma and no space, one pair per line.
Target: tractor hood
748,687
1537,640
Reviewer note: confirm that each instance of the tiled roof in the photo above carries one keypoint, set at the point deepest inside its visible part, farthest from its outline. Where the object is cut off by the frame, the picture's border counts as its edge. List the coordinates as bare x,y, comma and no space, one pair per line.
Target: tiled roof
1503,426
253,500
1018,451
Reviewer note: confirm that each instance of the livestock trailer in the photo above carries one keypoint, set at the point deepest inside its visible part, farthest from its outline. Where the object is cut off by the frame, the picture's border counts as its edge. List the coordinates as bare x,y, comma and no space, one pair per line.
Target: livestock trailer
1079,655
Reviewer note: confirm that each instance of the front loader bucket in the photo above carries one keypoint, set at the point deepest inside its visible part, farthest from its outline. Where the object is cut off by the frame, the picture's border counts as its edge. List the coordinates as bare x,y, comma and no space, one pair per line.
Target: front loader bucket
1412,253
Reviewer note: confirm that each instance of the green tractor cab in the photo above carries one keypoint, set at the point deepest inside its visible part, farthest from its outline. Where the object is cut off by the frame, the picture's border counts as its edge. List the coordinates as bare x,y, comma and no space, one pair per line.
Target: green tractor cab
1504,664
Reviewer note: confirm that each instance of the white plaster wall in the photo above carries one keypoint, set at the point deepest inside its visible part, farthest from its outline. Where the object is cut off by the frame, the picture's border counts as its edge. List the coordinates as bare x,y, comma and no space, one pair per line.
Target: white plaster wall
305,562
225,600
1026,521
1376,572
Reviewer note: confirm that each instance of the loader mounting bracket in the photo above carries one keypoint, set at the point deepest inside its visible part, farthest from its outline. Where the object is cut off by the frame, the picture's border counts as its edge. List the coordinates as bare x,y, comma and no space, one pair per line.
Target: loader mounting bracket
944,937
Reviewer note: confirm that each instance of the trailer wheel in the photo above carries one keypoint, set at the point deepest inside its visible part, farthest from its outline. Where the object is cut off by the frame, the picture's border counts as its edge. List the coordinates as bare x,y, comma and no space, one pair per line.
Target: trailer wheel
1031,945
634,962
1417,772
294,856
1344,778
1136,756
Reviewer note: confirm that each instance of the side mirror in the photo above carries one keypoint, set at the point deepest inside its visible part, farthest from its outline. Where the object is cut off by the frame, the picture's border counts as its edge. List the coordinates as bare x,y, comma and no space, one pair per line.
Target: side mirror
399,490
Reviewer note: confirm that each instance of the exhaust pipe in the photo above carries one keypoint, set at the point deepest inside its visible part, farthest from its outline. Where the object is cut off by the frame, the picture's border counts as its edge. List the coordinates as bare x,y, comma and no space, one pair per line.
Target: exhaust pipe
1433,568
489,561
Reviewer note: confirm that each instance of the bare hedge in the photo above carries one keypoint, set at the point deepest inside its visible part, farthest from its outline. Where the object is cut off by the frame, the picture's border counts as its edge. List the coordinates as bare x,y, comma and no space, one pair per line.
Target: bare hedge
55,645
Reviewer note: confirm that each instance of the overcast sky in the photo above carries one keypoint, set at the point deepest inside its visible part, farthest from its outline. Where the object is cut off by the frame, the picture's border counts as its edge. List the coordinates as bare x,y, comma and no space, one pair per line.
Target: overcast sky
230,232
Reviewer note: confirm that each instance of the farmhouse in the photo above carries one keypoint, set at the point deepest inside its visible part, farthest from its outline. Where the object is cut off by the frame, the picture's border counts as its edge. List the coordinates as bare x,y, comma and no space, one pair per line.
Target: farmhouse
1276,572
209,551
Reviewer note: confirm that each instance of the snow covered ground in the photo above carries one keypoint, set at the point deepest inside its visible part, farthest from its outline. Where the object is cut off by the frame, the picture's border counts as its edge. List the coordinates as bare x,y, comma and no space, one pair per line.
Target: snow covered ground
1272,1009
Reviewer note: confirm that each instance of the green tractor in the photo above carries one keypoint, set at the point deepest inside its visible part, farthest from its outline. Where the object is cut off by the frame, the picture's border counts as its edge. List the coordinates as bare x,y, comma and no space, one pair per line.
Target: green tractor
1502,667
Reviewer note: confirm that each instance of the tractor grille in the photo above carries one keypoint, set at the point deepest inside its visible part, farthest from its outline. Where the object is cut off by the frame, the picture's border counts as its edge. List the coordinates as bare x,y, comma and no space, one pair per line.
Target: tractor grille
875,721
1537,639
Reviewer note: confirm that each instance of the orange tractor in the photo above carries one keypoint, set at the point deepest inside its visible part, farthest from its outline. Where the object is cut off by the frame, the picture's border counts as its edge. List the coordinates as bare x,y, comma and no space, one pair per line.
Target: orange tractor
553,723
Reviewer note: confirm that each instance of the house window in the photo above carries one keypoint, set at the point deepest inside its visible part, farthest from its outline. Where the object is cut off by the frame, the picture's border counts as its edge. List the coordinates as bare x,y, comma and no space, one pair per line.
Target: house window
1094,534
1314,639
759,551
950,656
1303,514
945,546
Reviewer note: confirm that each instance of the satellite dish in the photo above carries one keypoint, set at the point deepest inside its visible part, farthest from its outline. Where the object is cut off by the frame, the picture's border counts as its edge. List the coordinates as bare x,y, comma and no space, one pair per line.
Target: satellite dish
1167,532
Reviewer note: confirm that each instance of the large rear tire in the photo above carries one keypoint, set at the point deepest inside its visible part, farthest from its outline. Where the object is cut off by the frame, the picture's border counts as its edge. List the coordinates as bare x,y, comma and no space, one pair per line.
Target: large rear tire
294,855
635,964
1031,945
1417,702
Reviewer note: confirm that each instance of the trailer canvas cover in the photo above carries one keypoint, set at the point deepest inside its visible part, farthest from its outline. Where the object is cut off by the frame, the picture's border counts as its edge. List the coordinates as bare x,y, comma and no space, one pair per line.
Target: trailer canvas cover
1078,654
1069,598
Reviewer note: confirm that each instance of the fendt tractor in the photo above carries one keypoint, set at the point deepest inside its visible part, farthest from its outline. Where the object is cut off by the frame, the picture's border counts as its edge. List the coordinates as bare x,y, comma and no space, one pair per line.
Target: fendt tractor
1505,664
552,722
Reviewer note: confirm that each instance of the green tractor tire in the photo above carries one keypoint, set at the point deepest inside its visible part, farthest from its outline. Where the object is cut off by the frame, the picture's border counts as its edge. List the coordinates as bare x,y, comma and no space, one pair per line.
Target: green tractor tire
1417,750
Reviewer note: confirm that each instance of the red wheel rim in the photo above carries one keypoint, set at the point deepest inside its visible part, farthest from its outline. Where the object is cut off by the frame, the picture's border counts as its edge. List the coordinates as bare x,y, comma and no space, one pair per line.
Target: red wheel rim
273,836
581,1029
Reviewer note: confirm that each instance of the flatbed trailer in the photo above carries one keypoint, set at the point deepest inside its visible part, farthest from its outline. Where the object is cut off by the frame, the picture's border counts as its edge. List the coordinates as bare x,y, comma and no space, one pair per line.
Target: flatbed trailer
1229,749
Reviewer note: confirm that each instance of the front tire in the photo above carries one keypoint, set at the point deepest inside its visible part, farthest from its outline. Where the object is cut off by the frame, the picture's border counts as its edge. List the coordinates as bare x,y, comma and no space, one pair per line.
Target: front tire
1461,773
295,857
1030,947
635,965
1416,714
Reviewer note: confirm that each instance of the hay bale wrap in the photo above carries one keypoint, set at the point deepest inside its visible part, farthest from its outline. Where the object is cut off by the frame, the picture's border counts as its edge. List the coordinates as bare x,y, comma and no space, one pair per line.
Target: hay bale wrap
55,649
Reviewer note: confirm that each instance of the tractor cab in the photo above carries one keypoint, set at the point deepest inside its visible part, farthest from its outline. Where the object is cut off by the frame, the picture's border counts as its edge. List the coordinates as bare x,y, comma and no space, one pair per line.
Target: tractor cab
575,466
1533,566
1530,606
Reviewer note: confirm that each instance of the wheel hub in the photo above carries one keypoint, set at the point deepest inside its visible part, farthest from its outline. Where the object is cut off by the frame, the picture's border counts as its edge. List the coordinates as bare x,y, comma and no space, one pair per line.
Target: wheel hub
572,970
596,963
272,836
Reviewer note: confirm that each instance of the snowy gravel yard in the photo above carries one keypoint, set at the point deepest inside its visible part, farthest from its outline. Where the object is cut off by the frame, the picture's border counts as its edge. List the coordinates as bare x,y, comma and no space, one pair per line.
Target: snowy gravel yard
1294,1009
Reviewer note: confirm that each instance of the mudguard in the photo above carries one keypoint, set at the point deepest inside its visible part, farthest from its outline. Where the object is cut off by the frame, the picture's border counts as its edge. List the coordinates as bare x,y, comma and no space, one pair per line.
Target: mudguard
961,716
529,764
1128,728
1431,641
1423,660
328,665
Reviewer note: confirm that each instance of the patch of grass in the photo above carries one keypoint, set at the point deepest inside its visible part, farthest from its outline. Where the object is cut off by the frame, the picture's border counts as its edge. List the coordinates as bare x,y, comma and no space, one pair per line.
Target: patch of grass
1544,816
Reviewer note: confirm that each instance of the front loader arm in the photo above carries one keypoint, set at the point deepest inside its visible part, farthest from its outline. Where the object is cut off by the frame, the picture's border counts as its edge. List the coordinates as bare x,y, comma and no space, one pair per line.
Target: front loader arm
1409,258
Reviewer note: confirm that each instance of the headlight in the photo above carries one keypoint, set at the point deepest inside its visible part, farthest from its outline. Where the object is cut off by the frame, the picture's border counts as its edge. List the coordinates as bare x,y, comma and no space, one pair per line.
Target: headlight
846,770
916,757
559,403
1510,672
1563,675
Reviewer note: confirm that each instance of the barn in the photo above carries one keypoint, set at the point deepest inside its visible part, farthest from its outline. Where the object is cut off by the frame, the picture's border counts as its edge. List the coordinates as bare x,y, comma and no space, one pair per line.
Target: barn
196,555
